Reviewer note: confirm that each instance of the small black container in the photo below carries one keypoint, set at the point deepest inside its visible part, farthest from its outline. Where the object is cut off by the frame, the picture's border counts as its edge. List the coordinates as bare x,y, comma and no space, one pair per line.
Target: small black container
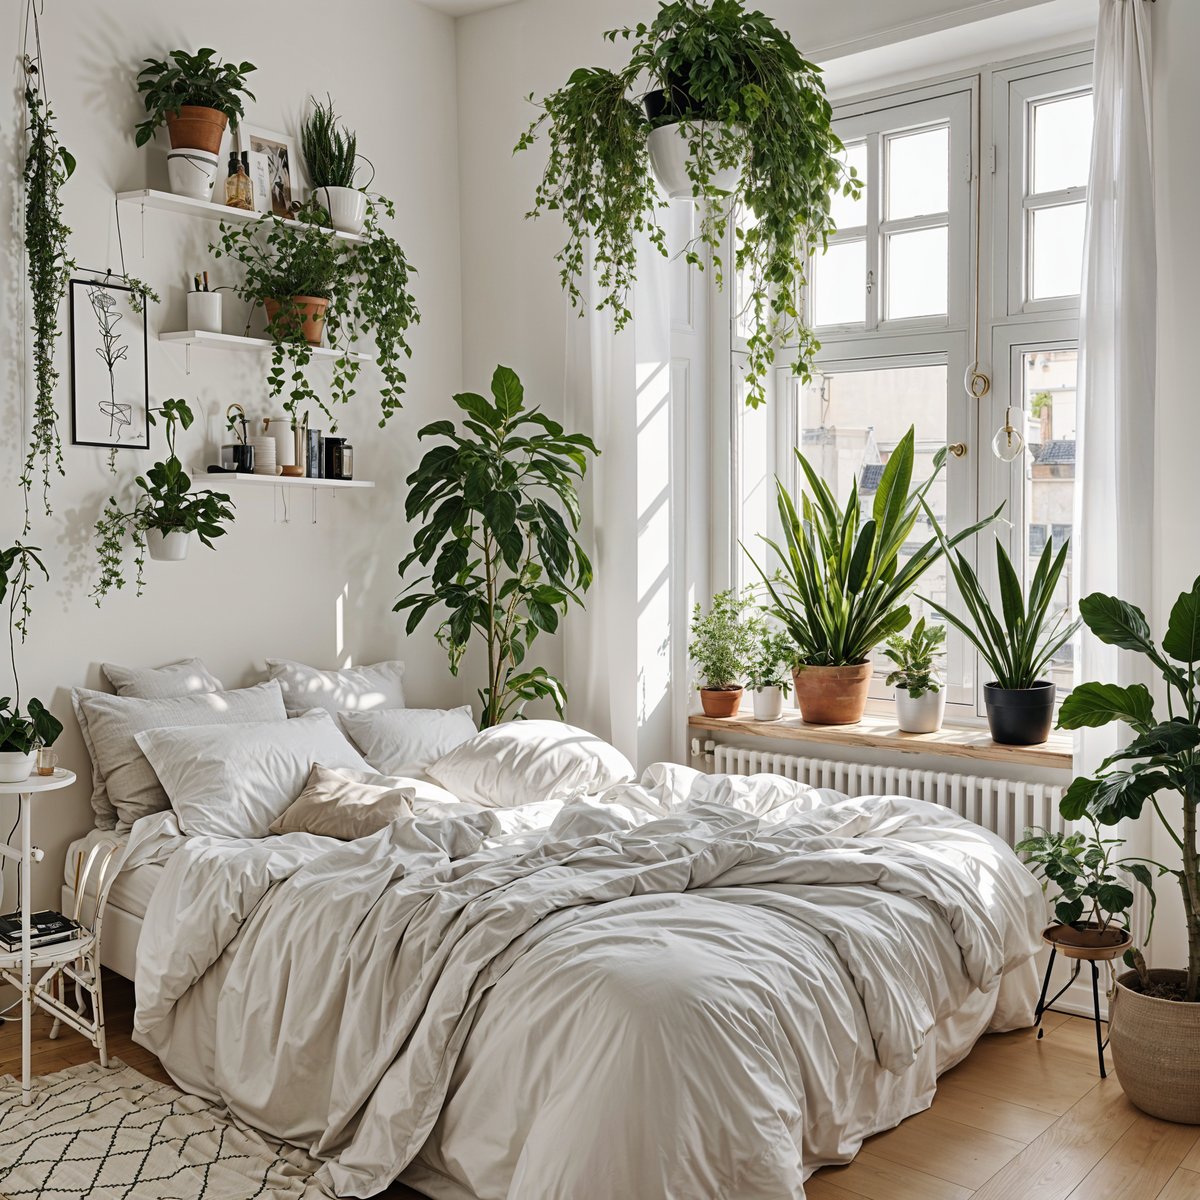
1020,716
663,110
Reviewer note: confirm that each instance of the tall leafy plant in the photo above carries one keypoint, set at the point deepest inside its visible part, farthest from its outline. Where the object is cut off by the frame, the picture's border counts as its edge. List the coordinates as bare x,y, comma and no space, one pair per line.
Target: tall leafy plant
499,511
842,586
330,149
743,96
199,79
1163,757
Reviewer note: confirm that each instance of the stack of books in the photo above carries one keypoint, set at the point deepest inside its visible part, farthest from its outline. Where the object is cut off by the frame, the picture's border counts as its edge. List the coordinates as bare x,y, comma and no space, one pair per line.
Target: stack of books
45,929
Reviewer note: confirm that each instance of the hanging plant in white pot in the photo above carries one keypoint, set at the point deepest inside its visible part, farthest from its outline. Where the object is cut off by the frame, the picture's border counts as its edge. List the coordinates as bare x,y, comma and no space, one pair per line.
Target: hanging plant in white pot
734,117
920,694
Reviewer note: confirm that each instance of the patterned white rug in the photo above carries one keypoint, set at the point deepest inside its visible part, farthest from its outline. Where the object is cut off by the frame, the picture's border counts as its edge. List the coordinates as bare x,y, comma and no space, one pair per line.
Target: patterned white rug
116,1135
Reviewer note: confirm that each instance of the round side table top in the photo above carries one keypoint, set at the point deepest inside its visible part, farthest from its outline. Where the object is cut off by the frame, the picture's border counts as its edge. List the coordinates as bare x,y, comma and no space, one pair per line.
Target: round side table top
39,783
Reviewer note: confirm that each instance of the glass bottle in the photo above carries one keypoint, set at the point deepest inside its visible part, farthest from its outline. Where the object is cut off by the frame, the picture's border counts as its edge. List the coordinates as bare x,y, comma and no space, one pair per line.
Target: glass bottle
347,461
238,190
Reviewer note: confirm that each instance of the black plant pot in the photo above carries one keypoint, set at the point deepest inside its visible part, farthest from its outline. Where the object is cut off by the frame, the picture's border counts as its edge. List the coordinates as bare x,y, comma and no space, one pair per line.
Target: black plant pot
1020,716
665,110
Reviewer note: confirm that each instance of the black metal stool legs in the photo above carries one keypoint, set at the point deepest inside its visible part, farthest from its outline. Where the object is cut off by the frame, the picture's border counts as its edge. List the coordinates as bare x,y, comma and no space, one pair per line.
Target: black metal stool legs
1044,1006
1100,1044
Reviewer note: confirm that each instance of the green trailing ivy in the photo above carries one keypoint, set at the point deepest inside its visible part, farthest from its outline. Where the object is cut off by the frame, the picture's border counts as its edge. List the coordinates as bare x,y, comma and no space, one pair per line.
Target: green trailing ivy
744,97
499,512
48,165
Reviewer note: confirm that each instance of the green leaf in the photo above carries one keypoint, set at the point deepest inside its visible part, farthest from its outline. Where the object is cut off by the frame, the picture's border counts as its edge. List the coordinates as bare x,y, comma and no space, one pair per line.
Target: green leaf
1182,639
1116,622
1170,738
1091,705
508,392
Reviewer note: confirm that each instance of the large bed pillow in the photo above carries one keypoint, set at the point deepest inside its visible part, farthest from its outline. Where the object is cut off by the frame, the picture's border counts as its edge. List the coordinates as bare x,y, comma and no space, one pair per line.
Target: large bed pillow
183,678
233,782
119,767
353,689
404,741
520,762
344,804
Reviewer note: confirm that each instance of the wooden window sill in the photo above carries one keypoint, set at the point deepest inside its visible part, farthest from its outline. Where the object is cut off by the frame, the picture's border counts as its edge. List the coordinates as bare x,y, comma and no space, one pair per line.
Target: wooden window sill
882,733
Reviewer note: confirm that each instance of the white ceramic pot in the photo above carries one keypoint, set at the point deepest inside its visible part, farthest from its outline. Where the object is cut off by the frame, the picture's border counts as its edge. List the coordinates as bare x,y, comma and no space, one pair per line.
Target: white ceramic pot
16,767
768,703
192,173
922,715
168,547
279,427
669,154
347,207
204,311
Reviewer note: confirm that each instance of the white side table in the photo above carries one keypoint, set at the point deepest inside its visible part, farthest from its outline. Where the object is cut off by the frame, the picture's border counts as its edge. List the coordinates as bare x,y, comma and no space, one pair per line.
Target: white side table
29,957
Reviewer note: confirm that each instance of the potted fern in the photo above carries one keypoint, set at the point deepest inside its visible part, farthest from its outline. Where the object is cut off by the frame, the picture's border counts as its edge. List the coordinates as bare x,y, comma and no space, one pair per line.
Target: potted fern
723,645
920,697
1018,645
736,119
331,156
769,675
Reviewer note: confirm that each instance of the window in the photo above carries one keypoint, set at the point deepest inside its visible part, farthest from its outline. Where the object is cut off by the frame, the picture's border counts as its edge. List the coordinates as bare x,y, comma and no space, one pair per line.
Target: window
892,303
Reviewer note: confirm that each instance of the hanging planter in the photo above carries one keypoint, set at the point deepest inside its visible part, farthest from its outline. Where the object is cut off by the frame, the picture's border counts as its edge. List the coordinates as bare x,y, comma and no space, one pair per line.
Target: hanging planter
735,118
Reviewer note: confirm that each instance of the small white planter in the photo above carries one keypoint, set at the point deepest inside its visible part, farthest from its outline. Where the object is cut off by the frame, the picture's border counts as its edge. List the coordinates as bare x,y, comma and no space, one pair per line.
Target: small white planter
16,767
922,715
168,547
669,154
204,311
347,207
768,703
192,173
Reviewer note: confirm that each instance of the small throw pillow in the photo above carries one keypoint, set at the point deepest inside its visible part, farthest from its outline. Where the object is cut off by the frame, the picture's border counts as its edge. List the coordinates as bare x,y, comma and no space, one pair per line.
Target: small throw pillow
118,764
404,741
521,762
183,678
234,781
355,689
344,804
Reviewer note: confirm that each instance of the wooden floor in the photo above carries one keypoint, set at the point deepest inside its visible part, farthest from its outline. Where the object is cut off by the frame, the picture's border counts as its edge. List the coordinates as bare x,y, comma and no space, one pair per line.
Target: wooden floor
1018,1120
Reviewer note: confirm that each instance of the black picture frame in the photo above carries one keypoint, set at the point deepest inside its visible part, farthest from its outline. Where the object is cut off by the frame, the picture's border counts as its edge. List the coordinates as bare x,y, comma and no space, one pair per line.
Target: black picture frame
120,346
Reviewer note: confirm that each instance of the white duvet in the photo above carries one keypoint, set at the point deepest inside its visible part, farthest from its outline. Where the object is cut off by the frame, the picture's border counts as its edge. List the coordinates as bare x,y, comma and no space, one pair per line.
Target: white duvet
701,987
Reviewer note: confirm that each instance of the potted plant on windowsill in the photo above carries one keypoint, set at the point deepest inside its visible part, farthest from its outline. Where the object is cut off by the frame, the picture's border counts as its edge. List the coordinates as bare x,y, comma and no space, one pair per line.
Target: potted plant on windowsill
164,517
769,675
920,696
195,95
1018,645
1155,1014
842,586
735,118
331,155
724,641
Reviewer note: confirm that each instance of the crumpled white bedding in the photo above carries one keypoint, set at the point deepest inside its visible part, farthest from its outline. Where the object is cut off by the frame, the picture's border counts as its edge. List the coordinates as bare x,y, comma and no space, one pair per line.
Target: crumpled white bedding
696,987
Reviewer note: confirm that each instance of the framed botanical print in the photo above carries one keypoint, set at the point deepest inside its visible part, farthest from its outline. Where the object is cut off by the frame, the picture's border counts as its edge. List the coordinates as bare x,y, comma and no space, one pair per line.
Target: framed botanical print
110,374
282,166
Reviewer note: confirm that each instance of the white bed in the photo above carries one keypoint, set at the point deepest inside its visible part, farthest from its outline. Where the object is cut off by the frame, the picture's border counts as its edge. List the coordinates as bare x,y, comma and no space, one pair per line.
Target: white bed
743,989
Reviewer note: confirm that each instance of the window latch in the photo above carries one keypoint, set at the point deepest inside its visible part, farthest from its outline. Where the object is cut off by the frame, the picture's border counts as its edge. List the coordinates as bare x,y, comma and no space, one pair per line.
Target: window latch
870,282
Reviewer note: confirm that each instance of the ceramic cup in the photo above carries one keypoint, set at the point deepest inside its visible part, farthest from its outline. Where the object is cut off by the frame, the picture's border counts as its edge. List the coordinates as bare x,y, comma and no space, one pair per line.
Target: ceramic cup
47,760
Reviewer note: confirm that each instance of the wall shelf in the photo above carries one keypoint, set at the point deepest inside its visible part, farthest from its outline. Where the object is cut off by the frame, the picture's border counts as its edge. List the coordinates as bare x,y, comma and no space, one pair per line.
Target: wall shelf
255,345
207,210
287,481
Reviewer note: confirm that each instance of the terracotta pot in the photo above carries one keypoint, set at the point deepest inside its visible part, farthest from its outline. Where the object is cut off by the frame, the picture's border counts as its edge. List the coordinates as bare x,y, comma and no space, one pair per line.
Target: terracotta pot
1091,942
308,314
196,128
721,702
832,695
1156,1049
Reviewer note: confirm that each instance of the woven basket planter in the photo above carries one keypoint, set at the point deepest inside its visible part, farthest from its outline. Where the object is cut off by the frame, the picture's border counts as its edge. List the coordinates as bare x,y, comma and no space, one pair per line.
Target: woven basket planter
1156,1050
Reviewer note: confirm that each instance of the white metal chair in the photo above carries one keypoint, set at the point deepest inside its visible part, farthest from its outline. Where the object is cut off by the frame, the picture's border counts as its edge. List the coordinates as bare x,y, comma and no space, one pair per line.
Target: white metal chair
94,875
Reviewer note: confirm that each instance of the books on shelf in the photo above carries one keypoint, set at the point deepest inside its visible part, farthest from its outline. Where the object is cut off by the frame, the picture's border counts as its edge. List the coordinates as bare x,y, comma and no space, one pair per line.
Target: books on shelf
46,929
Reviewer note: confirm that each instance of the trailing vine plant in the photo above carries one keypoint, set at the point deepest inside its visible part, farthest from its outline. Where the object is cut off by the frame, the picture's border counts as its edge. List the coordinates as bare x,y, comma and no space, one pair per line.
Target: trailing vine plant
743,97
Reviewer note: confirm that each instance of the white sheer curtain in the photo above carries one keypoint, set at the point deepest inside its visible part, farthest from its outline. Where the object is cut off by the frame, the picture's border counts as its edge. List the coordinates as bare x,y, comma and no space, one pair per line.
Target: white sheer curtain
1114,495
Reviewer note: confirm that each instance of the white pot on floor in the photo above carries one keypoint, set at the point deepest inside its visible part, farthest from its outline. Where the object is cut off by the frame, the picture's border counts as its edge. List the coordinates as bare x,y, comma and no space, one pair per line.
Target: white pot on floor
922,715
168,547
16,767
347,207
768,703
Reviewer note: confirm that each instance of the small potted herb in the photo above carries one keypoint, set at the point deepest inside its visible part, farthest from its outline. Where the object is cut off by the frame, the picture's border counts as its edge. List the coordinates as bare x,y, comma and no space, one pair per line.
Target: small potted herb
920,698
331,155
195,95
722,647
1018,645
164,516
769,676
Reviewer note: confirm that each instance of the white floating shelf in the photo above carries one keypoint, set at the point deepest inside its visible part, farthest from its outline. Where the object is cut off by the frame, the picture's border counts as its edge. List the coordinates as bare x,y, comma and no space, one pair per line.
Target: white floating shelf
206,209
299,481
254,345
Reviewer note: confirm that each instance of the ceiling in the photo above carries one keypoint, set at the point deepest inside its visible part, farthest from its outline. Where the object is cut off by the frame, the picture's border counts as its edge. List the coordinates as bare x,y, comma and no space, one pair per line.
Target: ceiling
464,8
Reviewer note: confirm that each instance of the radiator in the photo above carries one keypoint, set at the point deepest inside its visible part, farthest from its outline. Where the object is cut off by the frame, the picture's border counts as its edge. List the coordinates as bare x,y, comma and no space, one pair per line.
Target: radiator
1005,806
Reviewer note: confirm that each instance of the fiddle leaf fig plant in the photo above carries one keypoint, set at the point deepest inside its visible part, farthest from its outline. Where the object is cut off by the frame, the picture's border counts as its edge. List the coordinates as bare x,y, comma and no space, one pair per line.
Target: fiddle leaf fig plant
743,97
499,514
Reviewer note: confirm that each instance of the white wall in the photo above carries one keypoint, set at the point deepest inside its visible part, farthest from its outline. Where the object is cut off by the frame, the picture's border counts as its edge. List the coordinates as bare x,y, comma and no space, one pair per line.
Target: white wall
323,592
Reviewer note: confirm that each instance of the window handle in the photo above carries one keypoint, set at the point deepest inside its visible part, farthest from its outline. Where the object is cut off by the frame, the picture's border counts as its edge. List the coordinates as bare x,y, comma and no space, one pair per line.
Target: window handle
958,449
870,282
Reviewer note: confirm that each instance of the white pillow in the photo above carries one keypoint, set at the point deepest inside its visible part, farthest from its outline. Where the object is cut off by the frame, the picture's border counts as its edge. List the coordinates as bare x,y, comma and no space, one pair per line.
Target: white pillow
355,689
524,761
233,781
182,678
404,741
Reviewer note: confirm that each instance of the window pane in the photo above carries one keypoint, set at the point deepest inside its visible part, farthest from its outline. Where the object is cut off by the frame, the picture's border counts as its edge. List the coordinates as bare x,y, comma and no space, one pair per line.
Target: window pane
845,210
839,284
1049,379
916,273
1062,143
918,173
1057,258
